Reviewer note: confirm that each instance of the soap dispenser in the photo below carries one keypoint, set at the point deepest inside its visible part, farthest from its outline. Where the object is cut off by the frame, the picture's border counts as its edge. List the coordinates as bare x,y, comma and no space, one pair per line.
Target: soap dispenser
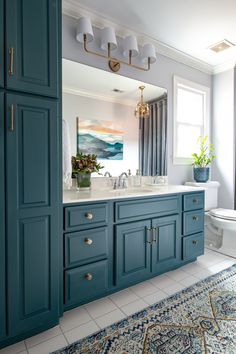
137,179
130,179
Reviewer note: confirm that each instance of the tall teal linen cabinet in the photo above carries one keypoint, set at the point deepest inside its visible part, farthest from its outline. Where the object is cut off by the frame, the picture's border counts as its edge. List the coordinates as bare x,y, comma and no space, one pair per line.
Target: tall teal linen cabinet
30,176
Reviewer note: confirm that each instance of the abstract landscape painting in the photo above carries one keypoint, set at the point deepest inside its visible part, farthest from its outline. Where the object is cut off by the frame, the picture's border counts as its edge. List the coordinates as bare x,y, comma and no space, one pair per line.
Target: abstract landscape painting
100,137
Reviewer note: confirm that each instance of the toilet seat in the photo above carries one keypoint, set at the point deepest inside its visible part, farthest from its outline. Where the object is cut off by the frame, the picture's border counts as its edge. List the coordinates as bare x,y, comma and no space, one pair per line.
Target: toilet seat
226,214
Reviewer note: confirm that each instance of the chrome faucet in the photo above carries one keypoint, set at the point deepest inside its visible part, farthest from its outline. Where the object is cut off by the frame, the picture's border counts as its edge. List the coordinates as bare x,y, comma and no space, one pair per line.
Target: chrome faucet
120,184
107,174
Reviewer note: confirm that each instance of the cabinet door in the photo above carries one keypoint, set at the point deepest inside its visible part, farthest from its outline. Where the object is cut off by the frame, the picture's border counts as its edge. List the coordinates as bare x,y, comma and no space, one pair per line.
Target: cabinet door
1,43
132,252
32,46
2,224
32,212
166,245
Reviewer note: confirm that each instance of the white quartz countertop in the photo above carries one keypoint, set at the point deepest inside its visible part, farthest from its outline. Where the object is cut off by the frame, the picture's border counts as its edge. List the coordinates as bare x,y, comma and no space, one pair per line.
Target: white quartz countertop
73,196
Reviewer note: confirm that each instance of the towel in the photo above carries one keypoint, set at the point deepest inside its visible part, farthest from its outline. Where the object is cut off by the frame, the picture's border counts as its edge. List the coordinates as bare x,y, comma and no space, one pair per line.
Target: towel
67,169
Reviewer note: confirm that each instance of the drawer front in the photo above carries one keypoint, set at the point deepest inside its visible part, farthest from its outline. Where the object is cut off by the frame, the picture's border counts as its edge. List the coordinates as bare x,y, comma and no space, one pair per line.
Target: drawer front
193,246
194,201
86,246
193,221
146,208
83,283
86,215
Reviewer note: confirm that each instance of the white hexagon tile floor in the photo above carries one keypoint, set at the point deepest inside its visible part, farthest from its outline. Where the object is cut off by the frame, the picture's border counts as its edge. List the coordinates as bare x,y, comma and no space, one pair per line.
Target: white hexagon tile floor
87,319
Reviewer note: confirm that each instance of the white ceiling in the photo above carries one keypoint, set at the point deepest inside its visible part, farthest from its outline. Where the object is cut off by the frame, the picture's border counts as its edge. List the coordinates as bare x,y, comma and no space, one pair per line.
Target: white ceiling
88,81
188,26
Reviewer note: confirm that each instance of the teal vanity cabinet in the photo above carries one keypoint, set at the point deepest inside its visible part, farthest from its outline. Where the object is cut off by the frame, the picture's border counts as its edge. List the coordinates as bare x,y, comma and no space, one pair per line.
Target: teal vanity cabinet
110,245
2,224
32,47
32,144
1,43
193,225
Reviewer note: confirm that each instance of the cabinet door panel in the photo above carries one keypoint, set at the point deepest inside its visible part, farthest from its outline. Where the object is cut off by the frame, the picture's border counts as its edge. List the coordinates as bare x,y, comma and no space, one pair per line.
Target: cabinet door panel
2,223
1,43
166,251
132,252
32,213
32,30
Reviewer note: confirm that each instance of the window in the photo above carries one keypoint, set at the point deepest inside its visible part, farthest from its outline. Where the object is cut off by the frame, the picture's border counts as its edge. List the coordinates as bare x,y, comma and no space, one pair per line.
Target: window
191,118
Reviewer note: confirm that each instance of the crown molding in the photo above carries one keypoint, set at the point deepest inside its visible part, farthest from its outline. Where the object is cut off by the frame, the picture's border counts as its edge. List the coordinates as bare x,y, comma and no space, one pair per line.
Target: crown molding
229,65
96,96
73,9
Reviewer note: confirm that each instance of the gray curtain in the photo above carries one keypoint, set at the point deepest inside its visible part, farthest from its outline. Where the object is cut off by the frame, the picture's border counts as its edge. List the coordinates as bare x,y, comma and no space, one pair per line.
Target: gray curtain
153,140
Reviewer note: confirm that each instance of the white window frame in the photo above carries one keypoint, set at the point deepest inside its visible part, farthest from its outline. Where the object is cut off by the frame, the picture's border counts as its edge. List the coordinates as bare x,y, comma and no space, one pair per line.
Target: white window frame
179,82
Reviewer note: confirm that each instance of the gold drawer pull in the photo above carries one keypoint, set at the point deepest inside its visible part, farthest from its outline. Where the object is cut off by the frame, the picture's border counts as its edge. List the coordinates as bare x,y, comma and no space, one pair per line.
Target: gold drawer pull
195,201
195,218
194,242
11,66
89,216
88,276
88,241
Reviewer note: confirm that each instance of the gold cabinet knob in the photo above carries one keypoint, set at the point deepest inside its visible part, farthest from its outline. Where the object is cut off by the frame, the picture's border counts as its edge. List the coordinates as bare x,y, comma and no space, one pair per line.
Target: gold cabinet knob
88,276
194,242
88,241
88,216
195,218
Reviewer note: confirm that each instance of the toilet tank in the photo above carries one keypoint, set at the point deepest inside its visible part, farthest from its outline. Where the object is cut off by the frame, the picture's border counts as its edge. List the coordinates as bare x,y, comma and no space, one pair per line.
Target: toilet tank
211,193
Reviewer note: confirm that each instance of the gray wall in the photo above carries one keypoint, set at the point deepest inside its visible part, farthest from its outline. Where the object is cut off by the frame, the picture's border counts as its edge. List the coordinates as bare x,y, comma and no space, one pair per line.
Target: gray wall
161,74
223,136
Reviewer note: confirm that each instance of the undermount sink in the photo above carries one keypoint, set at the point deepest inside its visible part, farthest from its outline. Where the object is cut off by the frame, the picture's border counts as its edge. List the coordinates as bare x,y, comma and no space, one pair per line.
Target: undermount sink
131,191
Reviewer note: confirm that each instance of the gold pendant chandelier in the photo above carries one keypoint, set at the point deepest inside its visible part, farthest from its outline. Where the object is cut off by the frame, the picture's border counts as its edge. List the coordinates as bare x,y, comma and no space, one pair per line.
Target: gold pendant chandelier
142,109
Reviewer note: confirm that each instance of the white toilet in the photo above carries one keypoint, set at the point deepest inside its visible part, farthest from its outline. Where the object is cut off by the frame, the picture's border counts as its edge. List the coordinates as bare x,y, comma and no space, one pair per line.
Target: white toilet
220,224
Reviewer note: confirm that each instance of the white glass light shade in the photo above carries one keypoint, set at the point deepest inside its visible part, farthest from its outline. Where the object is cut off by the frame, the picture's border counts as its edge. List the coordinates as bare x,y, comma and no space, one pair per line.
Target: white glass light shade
149,52
84,27
108,36
130,43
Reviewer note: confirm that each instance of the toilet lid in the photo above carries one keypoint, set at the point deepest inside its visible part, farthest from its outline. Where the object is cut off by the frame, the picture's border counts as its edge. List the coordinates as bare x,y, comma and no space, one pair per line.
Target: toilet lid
227,214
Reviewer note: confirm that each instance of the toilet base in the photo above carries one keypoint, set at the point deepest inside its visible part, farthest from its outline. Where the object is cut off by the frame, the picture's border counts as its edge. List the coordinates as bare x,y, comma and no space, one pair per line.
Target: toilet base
222,241
222,250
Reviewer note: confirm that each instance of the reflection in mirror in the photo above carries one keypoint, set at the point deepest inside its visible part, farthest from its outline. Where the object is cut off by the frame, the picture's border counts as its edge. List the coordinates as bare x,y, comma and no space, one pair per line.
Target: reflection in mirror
99,117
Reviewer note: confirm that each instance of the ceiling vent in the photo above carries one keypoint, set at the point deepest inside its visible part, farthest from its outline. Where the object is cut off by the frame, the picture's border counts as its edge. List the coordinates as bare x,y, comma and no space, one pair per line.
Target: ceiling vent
220,46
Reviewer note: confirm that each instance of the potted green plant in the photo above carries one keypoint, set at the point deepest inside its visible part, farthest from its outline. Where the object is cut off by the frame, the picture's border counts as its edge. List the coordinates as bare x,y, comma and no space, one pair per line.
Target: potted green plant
202,160
82,166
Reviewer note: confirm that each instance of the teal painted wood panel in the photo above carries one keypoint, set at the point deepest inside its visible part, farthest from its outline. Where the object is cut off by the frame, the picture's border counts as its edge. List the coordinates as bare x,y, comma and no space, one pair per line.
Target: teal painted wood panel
86,215
85,282
2,223
193,221
139,208
86,246
1,43
166,248
132,252
193,201
33,233
32,30
193,246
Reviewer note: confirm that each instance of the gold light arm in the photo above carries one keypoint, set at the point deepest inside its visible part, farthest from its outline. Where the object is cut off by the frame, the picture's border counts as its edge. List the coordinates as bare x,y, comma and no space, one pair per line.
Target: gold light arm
110,58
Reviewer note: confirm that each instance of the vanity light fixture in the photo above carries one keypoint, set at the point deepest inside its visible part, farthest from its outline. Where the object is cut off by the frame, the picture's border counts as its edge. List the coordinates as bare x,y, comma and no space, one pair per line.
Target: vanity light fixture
84,34
142,109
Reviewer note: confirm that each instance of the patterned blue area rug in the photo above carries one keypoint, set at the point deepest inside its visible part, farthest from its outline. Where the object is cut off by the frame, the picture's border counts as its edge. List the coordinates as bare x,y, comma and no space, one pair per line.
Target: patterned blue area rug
199,319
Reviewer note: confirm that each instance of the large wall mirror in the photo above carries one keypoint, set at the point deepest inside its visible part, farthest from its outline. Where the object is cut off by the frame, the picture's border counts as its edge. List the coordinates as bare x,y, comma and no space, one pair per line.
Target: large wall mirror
98,114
